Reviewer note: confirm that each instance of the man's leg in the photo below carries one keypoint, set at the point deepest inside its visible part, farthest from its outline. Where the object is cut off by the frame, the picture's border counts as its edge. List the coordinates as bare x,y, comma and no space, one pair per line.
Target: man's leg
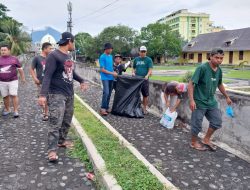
6,101
145,94
13,88
105,93
56,104
215,122
110,86
15,103
196,126
68,114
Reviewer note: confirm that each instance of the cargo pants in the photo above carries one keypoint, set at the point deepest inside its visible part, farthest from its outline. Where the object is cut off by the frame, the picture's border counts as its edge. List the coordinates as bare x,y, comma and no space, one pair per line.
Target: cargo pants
61,110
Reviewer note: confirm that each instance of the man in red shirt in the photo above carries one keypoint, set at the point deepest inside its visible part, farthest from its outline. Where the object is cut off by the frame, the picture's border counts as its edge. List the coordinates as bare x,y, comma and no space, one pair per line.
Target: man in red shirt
9,80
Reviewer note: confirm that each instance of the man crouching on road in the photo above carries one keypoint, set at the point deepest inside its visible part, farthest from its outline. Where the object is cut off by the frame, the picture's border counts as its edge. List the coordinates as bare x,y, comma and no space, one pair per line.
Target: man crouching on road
201,90
58,85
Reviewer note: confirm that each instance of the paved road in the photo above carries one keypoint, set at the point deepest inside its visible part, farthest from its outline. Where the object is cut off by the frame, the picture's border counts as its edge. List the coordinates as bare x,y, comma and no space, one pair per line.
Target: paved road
23,157
169,151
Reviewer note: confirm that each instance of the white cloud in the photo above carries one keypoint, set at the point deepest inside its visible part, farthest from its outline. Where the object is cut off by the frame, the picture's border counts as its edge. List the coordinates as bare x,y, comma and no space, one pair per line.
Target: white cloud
134,13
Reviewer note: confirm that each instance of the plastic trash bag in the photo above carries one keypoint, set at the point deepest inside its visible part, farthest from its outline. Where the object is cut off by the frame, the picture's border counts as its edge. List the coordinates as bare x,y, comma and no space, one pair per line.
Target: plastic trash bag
229,111
127,100
168,119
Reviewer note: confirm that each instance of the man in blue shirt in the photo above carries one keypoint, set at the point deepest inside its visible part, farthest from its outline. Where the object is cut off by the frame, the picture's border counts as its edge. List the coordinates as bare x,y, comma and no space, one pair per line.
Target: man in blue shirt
107,77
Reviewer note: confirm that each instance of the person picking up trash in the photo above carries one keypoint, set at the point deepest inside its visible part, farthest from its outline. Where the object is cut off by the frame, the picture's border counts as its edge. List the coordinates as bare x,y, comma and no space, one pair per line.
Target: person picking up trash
173,94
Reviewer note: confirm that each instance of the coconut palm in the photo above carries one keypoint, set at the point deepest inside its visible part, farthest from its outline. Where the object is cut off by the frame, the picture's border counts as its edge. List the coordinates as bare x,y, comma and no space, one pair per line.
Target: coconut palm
12,33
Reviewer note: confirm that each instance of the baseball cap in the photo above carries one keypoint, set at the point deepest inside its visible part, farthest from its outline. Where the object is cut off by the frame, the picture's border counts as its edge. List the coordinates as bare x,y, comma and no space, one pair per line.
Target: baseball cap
182,87
118,55
66,36
108,46
216,51
143,48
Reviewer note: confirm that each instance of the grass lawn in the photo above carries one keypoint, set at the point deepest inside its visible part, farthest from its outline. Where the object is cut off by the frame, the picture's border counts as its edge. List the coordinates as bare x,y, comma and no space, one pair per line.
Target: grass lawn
120,162
188,68
167,78
239,74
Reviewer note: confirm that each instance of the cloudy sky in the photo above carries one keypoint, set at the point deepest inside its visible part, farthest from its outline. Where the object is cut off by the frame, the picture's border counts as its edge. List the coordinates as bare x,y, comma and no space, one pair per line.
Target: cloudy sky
93,15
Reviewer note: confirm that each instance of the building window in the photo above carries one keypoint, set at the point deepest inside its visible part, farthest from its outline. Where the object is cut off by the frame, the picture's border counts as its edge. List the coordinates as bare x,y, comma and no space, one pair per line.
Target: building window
191,56
184,55
193,25
193,31
241,55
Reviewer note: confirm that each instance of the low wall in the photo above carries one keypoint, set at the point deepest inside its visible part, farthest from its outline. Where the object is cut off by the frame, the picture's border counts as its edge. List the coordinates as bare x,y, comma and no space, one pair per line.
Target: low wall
235,132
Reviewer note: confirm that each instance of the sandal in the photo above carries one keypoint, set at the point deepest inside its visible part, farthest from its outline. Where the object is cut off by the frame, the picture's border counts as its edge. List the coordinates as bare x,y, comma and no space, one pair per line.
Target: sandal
66,144
200,147
210,146
52,156
45,117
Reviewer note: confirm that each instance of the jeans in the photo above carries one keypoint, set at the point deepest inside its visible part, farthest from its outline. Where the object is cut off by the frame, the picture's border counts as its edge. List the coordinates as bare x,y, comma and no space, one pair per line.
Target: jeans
61,110
107,90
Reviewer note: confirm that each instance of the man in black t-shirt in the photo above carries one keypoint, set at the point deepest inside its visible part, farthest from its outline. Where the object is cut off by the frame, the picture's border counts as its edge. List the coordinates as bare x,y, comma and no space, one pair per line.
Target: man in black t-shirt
37,72
58,83
118,68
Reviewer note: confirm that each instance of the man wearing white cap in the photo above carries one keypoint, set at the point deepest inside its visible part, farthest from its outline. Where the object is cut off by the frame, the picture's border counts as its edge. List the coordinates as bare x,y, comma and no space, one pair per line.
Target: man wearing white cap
142,67
172,91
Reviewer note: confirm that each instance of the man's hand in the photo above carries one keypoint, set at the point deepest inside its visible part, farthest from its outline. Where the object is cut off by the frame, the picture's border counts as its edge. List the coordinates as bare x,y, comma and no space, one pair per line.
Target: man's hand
229,101
115,74
37,82
146,77
192,105
42,101
84,86
23,81
133,74
172,110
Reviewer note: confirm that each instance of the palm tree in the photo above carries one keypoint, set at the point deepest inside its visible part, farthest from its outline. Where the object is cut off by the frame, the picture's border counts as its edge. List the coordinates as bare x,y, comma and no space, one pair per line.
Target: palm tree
13,35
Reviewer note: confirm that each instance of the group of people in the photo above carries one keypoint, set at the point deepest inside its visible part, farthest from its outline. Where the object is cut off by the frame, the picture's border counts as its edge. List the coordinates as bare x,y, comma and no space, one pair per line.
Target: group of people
54,71
142,67
201,90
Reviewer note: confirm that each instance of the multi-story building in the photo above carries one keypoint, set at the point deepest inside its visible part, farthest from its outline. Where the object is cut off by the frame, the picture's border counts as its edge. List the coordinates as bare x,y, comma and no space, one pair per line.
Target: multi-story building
189,25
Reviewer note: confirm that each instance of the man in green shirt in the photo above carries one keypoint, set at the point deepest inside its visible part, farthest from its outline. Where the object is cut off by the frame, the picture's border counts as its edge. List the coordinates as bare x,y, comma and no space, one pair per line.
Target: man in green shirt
142,67
201,90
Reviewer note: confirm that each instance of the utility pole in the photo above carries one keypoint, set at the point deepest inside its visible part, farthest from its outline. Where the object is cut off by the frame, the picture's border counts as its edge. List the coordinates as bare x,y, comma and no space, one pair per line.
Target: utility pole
69,22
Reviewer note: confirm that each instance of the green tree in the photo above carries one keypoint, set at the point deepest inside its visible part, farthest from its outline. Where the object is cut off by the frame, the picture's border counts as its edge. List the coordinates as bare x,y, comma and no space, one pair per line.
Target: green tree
160,40
120,36
3,11
12,34
84,44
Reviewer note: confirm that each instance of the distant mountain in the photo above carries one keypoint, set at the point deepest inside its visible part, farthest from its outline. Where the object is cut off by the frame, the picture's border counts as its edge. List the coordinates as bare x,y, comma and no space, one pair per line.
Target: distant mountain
37,35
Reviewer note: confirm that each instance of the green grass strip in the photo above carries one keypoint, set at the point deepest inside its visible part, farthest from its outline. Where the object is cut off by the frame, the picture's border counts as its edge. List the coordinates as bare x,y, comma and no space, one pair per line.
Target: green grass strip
239,74
130,173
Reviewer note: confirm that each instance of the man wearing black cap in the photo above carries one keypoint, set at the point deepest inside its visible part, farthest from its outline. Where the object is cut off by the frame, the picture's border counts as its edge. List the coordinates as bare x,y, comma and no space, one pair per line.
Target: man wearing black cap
58,86
107,77
201,90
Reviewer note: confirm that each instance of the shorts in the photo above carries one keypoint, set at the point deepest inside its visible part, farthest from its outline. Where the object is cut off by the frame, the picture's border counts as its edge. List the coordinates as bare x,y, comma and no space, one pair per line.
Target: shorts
213,115
145,88
9,88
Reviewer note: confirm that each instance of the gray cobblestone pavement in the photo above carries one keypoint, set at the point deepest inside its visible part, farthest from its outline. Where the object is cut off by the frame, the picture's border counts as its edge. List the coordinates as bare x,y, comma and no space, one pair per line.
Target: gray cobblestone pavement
23,157
169,151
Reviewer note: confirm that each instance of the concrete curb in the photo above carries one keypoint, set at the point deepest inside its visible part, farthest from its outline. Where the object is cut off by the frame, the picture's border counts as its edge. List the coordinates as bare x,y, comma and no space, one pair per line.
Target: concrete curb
167,184
99,165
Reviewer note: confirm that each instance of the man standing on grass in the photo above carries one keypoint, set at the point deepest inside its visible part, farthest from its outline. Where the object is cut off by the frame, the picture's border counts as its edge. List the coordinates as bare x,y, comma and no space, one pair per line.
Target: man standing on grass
107,77
142,67
9,65
58,86
201,90
37,72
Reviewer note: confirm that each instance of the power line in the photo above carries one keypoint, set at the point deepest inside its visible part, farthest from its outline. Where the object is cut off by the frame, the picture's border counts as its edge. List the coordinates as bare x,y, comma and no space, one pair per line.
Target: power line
95,11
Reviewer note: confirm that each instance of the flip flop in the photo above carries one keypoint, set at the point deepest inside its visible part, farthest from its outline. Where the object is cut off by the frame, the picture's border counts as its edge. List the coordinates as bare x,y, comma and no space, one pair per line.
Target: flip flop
45,117
66,144
202,148
52,156
210,146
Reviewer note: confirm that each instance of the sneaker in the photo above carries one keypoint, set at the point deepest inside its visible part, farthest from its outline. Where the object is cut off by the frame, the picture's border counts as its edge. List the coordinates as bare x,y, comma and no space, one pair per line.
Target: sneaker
5,113
15,115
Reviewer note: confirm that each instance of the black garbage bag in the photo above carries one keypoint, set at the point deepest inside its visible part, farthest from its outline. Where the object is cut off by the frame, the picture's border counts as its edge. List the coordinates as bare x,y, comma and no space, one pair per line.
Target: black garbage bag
127,101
